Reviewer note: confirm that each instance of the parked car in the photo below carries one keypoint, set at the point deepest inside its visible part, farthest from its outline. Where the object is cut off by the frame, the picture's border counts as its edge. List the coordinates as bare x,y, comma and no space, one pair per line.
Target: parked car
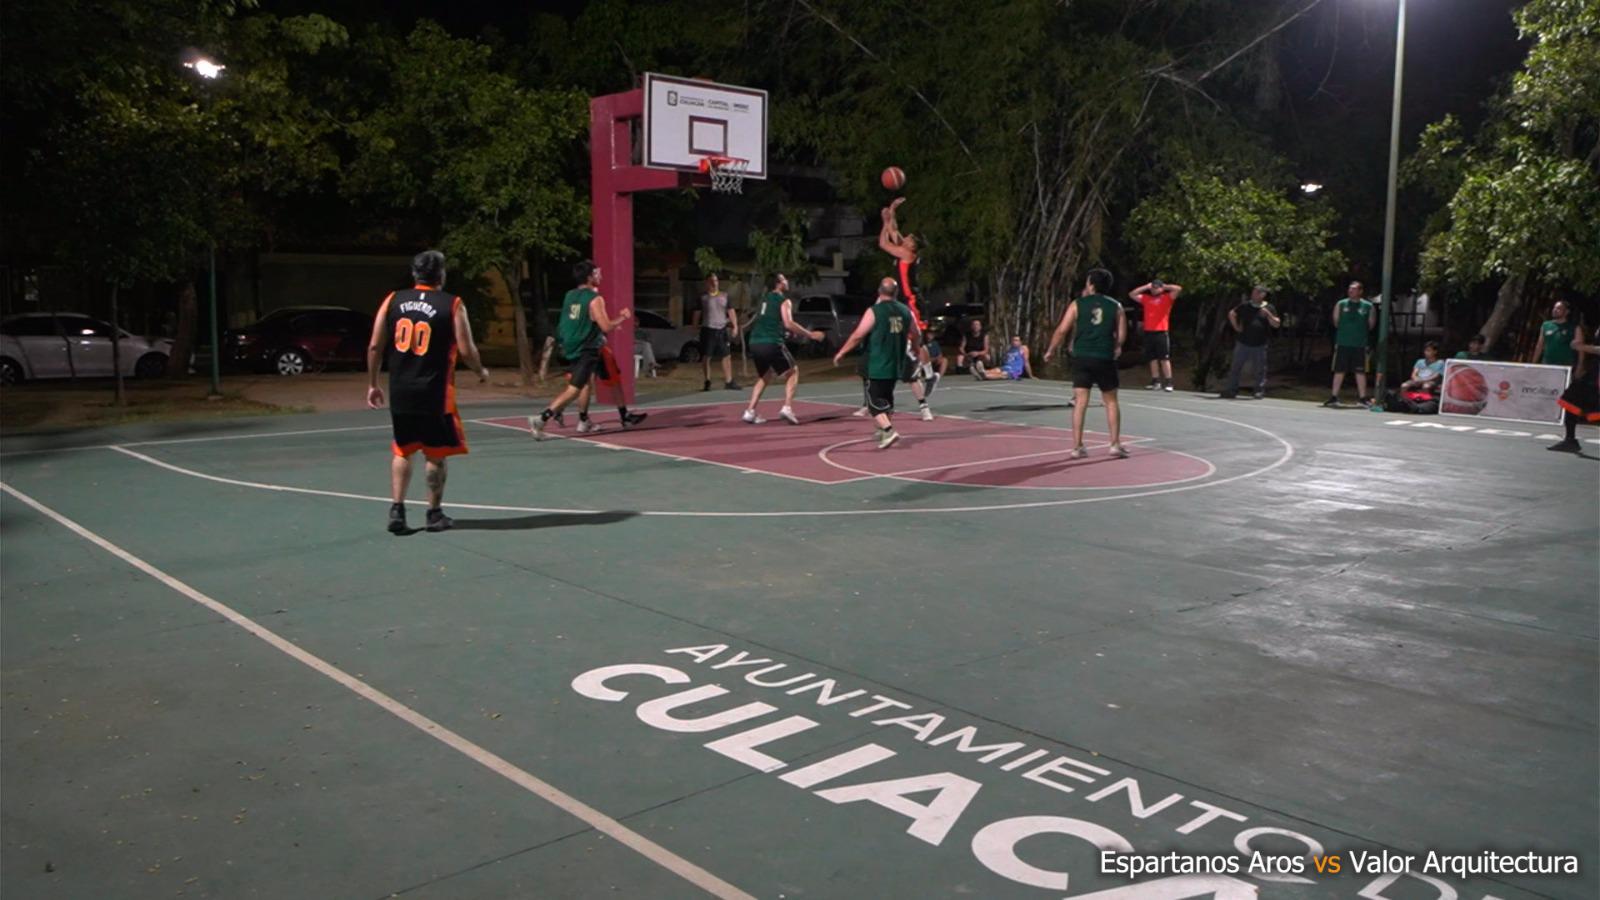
669,341
292,340
950,320
835,315
59,345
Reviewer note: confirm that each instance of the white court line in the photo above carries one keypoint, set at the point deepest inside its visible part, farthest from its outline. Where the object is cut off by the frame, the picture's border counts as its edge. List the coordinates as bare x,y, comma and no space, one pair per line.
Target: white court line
270,434
662,453
540,788
825,454
1288,454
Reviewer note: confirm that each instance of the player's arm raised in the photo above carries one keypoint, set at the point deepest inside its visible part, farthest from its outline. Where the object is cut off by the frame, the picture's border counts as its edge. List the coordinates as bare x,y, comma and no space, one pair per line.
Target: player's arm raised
889,237
795,327
1174,289
597,312
863,328
465,345
1068,319
375,347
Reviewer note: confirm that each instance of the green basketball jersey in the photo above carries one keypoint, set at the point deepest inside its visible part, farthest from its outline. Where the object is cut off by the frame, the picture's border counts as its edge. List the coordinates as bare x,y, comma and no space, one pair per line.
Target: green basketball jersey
1558,342
1094,335
768,327
577,330
1352,329
886,344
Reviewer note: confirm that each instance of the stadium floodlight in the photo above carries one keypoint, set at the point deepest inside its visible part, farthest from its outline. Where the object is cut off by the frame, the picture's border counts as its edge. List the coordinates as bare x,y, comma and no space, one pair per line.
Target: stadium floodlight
1310,187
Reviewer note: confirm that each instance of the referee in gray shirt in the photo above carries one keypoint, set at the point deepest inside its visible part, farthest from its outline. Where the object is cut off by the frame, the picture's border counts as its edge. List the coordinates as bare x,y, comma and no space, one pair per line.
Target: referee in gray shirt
716,326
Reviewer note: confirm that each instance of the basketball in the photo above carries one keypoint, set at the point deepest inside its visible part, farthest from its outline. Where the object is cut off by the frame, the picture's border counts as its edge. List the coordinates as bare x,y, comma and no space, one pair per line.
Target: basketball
894,178
1465,392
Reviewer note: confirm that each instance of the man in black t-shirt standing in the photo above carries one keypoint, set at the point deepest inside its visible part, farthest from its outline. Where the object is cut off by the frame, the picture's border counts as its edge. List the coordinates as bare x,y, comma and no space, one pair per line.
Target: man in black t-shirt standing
1253,322
422,331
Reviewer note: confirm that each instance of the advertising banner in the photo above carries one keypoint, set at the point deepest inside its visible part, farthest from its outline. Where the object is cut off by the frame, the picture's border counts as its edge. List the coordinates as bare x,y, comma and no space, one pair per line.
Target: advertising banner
1520,392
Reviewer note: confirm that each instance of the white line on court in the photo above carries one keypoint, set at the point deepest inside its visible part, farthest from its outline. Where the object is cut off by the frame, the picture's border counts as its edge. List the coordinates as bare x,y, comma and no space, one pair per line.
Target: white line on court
673,456
1288,454
826,456
594,818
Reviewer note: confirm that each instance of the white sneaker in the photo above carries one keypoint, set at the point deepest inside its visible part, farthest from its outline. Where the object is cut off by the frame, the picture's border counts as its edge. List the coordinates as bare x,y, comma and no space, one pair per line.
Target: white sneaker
977,371
750,418
1078,452
860,413
585,426
788,415
1118,451
1153,386
536,427
885,439
927,414
1168,388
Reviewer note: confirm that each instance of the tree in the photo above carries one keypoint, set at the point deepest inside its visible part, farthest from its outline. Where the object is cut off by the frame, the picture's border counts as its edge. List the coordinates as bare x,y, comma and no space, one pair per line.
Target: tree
469,148
1022,129
1221,236
1524,196
132,165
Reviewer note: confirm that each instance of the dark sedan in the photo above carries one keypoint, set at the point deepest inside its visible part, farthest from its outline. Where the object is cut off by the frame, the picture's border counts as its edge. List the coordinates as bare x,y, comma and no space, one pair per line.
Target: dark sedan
295,339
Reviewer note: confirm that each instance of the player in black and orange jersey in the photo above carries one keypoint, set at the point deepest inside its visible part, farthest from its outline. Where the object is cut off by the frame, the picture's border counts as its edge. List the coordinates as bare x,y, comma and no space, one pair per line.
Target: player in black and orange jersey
905,248
422,331
907,259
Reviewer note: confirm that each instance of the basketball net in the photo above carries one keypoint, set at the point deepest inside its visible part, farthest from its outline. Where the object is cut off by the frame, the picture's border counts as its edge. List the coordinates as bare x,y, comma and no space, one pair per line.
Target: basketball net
727,174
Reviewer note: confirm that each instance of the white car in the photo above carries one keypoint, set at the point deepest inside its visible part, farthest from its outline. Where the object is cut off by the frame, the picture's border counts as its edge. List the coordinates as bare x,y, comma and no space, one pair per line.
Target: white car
681,343
61,345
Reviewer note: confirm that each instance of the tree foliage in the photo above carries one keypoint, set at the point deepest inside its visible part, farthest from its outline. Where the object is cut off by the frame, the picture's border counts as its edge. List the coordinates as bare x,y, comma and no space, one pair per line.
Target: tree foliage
1522,197
461,142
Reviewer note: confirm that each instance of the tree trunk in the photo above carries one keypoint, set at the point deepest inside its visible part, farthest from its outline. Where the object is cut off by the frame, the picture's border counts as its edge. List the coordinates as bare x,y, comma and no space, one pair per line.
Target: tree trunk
116,348
1506,304
525,365
183,336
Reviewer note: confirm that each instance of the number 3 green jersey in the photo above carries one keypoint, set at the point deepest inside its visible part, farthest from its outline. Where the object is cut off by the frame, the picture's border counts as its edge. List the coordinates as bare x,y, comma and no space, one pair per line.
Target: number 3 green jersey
1095,332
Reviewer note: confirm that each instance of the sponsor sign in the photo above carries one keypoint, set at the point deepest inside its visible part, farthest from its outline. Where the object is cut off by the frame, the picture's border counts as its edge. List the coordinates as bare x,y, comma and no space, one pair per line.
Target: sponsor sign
1518,392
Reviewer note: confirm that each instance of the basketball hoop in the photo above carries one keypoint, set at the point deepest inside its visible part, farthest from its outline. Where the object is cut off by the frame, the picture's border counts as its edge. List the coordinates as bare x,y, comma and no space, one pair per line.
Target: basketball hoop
727,174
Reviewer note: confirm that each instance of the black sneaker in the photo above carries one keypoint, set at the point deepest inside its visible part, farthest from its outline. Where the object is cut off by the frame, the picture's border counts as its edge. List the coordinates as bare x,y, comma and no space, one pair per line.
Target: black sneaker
1566,446
1228,395
1330,403
1365,401
633,418
397,518
706,386
438,521
731,386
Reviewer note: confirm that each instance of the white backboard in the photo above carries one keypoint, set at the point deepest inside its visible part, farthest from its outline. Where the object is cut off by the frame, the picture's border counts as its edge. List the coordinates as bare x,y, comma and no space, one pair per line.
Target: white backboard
686,120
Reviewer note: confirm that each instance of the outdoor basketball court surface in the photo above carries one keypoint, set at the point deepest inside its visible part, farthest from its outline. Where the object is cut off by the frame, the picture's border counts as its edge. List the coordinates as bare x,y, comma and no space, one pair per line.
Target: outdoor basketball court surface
703,658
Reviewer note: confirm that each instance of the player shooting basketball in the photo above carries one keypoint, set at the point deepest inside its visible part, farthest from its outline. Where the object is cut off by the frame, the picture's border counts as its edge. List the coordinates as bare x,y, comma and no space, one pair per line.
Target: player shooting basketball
904,249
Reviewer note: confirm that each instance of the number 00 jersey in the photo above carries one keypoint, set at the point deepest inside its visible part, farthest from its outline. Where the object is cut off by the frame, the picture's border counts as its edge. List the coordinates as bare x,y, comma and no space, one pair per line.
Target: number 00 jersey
421,326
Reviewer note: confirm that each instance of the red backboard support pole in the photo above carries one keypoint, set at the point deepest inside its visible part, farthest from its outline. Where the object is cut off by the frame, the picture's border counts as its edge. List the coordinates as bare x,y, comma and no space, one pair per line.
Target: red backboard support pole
614,180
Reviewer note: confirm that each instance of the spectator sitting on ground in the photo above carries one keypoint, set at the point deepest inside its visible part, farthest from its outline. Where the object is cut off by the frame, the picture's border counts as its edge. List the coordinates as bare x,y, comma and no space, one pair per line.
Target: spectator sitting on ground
974,351
1426,372
1419,394
1016,363
1475,348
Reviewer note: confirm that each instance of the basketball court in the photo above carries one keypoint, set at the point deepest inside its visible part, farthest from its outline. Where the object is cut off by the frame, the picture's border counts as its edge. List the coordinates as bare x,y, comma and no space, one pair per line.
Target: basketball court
709,658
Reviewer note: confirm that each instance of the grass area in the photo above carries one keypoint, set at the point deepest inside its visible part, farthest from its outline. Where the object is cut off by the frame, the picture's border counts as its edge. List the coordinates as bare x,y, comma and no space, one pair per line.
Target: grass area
87,404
